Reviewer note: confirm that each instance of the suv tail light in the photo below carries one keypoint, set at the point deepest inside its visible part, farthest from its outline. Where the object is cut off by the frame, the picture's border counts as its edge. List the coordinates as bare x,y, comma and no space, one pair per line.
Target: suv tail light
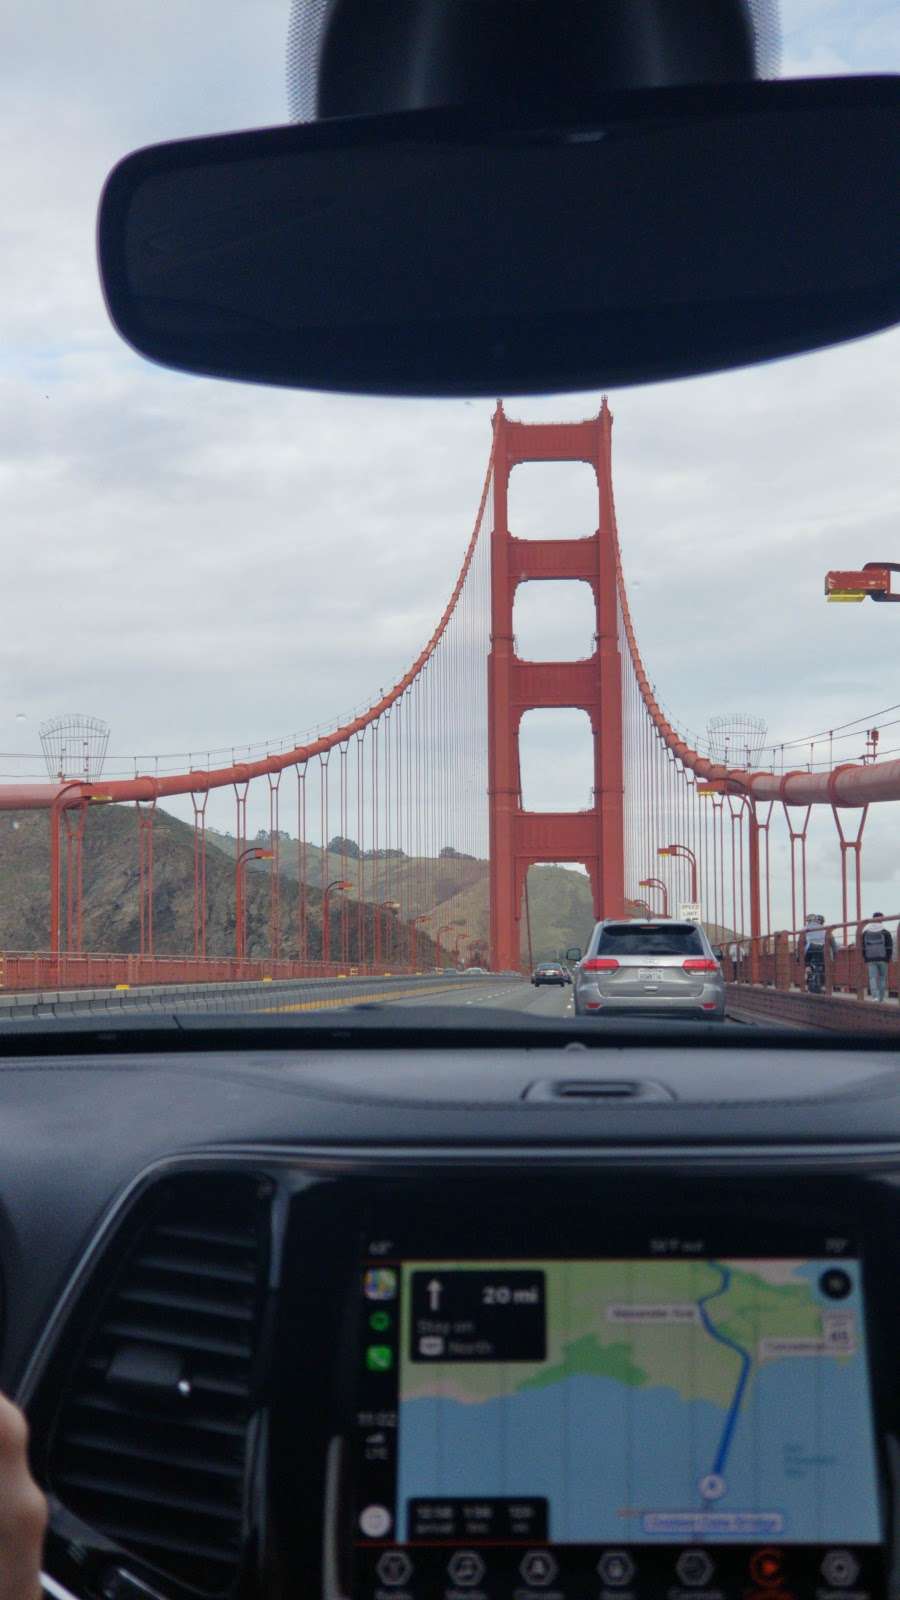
700,964
600,964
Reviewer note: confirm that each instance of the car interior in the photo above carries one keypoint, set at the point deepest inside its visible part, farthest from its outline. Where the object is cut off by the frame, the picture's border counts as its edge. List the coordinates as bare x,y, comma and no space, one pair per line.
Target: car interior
432,1304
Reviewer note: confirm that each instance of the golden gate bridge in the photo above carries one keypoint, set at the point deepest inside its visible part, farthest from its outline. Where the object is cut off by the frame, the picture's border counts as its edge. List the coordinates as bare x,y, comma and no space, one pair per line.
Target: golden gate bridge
429,773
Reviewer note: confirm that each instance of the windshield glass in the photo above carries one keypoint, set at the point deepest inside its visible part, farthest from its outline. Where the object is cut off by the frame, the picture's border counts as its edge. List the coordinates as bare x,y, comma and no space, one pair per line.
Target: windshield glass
313,700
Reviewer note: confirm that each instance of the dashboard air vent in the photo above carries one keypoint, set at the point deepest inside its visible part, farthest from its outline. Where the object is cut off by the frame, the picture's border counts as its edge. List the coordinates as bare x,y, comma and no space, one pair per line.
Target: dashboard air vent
150,1448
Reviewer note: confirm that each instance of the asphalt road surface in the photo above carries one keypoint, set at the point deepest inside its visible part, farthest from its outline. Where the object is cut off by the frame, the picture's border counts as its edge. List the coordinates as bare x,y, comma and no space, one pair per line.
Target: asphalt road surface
319,997
524,998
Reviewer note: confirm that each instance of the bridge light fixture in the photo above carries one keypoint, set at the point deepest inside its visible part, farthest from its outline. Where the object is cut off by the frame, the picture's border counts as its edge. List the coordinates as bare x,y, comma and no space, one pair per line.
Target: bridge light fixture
872,579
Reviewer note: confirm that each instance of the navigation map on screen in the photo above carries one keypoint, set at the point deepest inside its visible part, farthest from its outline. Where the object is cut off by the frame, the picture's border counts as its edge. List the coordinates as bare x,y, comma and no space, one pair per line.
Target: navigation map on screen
636,1401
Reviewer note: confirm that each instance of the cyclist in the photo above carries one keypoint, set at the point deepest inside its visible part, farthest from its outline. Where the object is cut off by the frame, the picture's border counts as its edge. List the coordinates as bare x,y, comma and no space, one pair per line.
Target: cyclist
814,937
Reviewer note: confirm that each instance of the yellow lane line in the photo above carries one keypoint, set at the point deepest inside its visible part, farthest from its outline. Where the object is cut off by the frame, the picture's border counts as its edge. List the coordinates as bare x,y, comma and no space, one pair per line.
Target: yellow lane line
360,999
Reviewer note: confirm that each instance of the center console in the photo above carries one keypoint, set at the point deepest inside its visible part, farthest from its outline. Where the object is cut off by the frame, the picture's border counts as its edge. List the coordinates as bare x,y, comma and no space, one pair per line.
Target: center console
412,1377
563,1388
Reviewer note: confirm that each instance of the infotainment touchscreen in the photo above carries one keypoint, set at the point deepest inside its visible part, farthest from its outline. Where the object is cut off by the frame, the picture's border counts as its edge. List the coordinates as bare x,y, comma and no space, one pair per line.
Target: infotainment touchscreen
675,1422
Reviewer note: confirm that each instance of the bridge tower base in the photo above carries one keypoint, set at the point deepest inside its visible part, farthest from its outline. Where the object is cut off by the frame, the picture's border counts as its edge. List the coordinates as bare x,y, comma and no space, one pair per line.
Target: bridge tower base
519,838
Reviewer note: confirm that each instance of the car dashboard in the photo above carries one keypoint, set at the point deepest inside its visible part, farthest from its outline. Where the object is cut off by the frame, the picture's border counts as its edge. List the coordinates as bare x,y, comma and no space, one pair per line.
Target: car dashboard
366,1313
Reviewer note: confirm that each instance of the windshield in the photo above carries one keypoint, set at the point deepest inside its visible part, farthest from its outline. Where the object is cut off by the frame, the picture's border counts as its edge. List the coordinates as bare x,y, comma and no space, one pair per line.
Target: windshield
312,701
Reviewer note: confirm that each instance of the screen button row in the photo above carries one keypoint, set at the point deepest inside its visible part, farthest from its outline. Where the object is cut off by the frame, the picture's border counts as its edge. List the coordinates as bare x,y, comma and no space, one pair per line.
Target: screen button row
616,1568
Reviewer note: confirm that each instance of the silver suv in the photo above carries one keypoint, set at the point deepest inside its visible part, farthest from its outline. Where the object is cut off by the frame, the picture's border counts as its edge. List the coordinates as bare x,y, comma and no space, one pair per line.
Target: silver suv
663,968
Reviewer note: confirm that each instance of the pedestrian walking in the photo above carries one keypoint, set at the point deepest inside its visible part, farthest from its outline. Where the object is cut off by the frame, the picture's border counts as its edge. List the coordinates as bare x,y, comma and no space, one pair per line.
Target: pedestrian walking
877,950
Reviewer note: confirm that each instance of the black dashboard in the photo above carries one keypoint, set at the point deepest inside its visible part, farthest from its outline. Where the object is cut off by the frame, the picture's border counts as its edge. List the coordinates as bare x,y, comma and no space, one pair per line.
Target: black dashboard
344,1313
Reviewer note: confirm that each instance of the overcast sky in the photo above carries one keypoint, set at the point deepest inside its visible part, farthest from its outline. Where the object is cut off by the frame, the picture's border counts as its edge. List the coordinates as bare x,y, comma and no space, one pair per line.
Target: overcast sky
207,565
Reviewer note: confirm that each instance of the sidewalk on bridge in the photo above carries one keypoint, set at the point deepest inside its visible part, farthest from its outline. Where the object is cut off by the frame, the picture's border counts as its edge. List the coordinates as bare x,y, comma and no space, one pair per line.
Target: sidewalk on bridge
837,1012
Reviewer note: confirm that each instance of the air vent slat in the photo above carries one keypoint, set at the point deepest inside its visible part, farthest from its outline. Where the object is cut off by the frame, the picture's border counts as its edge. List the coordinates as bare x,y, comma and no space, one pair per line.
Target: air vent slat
107,1444
116,1488
140,1414
151,1451
201,1382
237,1240
142,1333
168,1299
133,1538
175,1266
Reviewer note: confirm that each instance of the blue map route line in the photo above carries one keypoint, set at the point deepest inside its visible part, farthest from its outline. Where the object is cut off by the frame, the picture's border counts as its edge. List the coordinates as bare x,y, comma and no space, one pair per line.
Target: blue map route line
722,1338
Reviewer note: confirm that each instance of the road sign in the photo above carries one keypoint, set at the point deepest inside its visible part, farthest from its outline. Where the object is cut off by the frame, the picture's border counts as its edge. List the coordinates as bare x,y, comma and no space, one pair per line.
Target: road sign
689,911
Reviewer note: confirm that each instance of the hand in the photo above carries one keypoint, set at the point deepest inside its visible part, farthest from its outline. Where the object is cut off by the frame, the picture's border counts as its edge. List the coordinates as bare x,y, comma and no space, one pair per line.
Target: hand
23,1511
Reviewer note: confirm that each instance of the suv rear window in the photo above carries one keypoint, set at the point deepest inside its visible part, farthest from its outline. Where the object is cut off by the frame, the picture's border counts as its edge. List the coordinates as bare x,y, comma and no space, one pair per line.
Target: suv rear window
650,939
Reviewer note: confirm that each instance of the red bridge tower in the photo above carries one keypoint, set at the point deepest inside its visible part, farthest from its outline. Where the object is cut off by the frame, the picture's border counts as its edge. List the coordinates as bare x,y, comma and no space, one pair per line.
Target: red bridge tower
519,838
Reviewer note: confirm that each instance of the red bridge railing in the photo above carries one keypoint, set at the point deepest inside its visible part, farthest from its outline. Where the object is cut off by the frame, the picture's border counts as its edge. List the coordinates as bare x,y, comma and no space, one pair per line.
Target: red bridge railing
776,959
41,971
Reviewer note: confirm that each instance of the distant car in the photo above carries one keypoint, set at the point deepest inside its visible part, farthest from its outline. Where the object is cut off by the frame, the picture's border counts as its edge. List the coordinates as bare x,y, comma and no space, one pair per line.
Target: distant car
475,972
550,972
660,968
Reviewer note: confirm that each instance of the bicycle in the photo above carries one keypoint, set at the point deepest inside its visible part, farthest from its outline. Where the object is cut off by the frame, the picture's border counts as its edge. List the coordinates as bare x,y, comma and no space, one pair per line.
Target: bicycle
815,971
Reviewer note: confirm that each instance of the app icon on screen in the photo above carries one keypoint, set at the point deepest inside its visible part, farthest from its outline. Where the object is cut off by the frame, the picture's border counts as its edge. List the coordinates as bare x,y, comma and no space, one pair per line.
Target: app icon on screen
380,1321
375,1521
379,1358
380,1283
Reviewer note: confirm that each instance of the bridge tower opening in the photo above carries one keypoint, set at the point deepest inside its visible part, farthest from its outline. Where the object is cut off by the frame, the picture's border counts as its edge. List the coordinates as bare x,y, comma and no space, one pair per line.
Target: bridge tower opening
519,839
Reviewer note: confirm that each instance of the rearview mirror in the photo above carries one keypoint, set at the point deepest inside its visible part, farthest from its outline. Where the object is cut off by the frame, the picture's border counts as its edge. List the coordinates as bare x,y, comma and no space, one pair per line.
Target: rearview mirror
655,234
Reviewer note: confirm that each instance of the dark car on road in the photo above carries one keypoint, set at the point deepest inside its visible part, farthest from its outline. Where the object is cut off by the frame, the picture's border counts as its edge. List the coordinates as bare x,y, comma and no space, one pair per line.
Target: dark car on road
550,972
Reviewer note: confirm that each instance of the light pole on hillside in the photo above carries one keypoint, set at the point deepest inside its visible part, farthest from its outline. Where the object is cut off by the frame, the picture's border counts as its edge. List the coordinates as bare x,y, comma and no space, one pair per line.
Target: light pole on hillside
383,905
336,883
252,853
445,927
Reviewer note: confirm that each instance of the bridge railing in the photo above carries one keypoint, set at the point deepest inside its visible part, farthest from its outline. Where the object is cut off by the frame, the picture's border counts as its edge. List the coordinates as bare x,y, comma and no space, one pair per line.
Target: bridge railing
40,970
775,960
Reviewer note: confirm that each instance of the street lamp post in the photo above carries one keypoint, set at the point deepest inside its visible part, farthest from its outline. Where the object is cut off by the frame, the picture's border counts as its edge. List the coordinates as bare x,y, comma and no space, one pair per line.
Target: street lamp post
657,883
458,922
336,883
682,852
383,905
252,853
414,937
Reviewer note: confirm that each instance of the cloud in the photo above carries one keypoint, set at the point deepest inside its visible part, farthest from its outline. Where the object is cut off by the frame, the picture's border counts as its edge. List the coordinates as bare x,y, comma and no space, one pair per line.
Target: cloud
206,565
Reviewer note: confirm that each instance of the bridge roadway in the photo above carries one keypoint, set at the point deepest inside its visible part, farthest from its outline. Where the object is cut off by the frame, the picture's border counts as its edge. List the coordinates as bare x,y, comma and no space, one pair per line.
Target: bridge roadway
309,996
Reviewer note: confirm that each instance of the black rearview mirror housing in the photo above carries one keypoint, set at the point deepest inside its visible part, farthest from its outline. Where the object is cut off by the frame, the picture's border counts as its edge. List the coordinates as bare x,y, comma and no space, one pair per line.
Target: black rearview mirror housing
652,234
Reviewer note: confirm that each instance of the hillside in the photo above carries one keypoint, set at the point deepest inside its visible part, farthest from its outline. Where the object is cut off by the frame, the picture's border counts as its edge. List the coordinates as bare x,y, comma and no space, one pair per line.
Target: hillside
110,876
453,889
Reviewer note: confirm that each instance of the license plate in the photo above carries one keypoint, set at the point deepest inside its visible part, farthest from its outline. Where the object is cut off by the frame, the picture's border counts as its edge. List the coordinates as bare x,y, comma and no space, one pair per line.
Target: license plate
648,975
